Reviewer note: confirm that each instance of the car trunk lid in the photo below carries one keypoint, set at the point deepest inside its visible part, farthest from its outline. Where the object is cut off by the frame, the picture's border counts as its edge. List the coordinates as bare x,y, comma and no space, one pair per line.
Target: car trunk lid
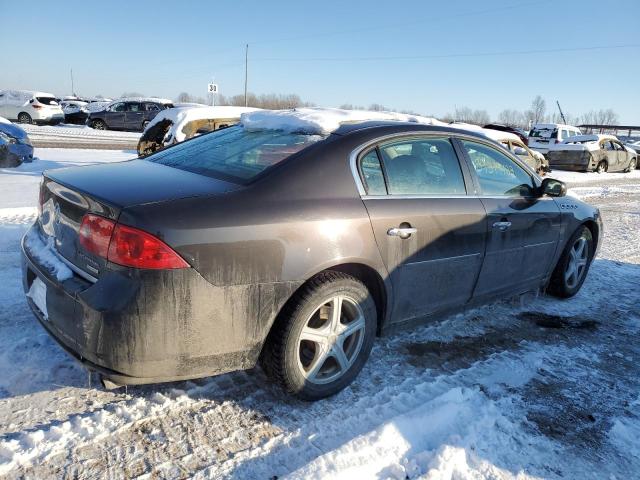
68,194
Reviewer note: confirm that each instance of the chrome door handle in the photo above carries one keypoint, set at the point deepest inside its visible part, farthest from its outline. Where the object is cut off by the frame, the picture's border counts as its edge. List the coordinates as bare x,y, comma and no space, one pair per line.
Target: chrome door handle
404,232
502,225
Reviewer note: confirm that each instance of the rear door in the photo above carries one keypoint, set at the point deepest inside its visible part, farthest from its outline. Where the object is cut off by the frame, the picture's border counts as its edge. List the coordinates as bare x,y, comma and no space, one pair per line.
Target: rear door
522,230
430,233
134,116
621,155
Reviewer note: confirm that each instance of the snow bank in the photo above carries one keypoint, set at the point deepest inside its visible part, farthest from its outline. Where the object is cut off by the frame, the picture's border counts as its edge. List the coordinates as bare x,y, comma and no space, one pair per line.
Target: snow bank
45,255
4,120
321,120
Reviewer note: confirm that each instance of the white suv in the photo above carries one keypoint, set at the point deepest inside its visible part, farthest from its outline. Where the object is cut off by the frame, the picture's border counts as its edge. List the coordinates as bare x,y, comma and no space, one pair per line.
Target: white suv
25,106
542,135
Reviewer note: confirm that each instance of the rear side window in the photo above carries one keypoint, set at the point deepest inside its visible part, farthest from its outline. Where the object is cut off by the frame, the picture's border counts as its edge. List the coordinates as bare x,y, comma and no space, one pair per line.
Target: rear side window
151,107
234,154
47,100
426,166
497,173
134,107
372,175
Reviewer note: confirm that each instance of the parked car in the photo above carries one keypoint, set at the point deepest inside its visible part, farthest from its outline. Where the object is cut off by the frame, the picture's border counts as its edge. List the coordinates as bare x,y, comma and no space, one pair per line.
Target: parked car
127,114
75,111
15,146
544,135
635,146
506,128
600,153
25,106
293,238
513,143
175,125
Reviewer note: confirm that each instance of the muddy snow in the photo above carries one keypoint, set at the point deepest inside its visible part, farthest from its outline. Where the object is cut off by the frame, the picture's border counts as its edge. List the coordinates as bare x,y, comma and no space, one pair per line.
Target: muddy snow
532,387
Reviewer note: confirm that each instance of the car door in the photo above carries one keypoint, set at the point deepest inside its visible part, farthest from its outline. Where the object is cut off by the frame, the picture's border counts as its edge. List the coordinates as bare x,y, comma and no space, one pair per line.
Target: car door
114,116
430,233
523,229
134,116
621,155
611,155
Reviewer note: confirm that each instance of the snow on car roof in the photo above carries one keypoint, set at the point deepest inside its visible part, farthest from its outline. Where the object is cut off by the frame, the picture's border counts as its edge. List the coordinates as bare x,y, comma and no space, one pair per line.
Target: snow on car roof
142,99
496,135
321,120
551,126
180,116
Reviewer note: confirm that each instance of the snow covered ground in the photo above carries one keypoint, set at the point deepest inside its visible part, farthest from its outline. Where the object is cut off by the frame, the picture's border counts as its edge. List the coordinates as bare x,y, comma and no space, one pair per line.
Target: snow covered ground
526,388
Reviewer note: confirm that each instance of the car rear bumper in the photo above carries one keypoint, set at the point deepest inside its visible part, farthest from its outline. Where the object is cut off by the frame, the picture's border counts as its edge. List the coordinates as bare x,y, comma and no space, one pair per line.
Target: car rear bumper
136,327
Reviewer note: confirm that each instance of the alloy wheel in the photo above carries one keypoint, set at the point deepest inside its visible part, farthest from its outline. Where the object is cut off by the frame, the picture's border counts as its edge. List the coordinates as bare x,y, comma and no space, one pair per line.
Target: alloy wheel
577,264
331,340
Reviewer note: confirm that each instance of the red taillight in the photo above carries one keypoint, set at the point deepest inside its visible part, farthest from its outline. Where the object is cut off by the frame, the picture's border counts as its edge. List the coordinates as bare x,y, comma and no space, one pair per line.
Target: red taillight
95,234
134,248
127,246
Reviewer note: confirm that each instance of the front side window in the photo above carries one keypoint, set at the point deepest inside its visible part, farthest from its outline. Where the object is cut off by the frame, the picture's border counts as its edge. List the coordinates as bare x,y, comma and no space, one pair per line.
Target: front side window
497,173
118,107
152,107
424,166
134,107
234,154
608,146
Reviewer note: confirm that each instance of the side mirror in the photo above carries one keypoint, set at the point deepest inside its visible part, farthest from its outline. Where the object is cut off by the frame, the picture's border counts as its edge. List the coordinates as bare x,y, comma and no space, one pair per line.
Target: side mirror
553,188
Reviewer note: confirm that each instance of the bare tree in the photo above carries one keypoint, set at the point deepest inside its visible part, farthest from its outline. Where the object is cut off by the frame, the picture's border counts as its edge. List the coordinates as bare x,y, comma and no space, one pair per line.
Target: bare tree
184,97
510,117
538,109
468,115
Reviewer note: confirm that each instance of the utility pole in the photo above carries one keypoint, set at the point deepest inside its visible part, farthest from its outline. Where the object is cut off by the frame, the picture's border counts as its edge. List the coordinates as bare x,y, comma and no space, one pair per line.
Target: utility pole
246,63
564,120
73,90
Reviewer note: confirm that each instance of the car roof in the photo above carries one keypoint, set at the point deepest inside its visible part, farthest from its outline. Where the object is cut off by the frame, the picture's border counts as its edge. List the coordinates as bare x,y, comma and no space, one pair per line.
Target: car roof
391,127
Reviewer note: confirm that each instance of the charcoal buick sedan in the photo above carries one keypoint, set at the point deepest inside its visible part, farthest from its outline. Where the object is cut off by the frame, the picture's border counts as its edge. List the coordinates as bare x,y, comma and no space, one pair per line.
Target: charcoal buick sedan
292,245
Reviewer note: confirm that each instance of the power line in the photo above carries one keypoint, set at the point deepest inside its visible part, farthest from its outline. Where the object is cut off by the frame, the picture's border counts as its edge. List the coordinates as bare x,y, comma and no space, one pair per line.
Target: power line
446,55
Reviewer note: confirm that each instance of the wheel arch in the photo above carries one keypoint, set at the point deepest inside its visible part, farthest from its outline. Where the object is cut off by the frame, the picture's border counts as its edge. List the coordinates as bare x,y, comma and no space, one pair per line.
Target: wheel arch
595,231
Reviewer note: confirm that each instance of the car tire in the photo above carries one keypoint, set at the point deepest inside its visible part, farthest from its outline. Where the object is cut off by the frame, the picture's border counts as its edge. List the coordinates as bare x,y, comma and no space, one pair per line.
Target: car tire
98,125
632,165
144,125
573,265
24,117
602,167
322,338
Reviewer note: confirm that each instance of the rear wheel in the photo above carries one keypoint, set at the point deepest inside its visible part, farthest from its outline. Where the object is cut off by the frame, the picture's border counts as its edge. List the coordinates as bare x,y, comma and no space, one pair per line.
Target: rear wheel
323,338
572,268
24,117
632,165
602,166
98,125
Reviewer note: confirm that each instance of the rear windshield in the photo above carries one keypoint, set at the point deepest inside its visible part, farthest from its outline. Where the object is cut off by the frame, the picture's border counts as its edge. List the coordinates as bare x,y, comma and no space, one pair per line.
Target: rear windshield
543,132
47,100
234,154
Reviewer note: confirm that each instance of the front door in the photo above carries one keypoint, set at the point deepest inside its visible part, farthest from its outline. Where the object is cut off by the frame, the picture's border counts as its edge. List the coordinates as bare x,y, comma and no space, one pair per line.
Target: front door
115,116
523,229
430,233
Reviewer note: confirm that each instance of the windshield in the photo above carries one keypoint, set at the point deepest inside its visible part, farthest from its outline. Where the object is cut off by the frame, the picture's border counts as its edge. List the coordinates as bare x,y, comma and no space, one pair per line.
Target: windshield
234,154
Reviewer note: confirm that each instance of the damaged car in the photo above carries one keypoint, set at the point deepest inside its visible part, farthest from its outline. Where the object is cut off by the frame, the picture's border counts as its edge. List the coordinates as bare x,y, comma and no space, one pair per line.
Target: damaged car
593,153
175,125
292,240
15,146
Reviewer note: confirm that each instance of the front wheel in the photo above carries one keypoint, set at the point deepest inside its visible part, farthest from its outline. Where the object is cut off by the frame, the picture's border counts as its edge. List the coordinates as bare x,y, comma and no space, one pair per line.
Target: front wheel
602,167
98,125
574,263
323,337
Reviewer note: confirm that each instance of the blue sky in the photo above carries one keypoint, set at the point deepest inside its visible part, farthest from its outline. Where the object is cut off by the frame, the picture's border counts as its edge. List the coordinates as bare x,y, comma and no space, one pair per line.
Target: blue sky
334,52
